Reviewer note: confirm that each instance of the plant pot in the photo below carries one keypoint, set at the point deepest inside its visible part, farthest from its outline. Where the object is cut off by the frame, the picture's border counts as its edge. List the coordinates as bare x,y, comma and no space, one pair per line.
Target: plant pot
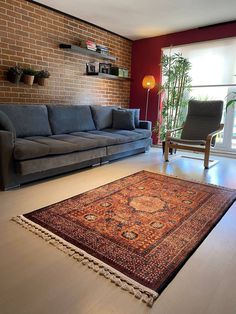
41,81
171,150
14,78
28,79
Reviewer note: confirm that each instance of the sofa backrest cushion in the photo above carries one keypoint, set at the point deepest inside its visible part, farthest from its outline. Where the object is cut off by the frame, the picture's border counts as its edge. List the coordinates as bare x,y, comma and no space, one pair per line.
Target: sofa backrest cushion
6,124
102,116
70,118
28,120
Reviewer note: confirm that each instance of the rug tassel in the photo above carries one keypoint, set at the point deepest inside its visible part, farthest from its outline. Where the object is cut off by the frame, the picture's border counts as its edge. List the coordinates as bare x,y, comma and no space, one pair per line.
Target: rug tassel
134,289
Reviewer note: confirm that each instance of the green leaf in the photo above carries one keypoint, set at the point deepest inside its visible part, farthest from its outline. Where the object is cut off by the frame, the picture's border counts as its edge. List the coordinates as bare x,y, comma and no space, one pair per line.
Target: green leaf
229,103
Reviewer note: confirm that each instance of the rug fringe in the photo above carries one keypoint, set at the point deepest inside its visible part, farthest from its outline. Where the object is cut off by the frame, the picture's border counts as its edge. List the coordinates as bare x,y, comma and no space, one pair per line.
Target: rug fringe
148,296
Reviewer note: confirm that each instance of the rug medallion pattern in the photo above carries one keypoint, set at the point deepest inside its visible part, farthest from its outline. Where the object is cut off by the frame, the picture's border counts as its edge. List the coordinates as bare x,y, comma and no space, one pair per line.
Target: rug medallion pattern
145,225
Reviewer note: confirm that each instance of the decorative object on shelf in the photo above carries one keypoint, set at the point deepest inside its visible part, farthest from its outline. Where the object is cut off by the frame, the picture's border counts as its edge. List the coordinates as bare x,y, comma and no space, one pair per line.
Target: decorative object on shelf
105,68
14,74
87,52
119,72
92,68
29,75
148,83
102,50
88,44
41,77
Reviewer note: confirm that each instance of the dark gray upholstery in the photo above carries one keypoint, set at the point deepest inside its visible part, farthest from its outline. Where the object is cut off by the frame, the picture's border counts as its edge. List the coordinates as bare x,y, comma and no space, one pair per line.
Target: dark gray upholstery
52,162
34,152
28,120
203,118
7,171
117,149
27,149
136,113
68,119
6,124
102,116
187,142
123,119
145,125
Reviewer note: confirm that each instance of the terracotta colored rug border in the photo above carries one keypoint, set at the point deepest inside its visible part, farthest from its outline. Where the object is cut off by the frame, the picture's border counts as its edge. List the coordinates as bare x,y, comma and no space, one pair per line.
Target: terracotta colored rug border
141,292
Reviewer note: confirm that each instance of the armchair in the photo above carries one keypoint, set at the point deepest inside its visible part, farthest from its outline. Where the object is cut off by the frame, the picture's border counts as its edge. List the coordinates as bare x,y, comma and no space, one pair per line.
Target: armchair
199,130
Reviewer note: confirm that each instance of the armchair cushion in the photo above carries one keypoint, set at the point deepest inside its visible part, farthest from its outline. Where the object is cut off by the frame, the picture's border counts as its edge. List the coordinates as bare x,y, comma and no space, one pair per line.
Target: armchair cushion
203,118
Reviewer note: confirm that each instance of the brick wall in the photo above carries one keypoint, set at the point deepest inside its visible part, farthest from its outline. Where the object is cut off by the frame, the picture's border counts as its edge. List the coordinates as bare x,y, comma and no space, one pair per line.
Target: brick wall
30,36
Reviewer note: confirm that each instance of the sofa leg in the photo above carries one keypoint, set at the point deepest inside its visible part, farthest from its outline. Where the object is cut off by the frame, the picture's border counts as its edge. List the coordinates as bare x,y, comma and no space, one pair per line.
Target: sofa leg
97,164
105,162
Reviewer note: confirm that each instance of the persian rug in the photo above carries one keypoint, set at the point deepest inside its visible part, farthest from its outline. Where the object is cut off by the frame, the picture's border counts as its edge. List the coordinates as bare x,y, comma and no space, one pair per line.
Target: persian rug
137,231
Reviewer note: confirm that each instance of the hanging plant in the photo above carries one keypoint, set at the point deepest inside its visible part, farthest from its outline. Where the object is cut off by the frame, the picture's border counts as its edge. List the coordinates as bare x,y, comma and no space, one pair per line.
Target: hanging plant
29,75
14,74
41,77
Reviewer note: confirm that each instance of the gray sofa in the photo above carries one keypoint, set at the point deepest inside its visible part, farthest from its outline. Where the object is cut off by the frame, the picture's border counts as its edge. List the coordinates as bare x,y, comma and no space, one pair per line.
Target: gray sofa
39,141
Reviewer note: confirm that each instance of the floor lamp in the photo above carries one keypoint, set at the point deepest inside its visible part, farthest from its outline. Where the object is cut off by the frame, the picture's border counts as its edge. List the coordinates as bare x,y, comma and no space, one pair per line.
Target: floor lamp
148,83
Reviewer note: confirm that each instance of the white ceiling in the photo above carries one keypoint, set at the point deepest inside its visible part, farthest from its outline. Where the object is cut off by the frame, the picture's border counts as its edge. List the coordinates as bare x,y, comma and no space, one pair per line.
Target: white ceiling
137,19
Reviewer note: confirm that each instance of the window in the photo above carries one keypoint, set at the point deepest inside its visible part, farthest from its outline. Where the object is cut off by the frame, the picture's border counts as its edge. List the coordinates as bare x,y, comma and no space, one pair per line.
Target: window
213,75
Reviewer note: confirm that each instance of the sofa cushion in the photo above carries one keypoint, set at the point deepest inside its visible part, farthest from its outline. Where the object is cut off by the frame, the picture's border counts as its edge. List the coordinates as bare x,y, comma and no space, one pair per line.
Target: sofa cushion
28,120
5,123
68,119
136,113
123,119
27,149
102,116
130,135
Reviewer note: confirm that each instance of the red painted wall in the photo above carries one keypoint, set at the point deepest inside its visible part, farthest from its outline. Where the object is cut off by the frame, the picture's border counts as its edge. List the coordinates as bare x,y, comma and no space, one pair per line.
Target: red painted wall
146,54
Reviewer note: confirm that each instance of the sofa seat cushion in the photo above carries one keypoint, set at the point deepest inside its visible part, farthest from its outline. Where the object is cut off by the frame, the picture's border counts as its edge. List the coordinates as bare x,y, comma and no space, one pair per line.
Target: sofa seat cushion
70,118
27,149
28,120
101,140
129,135
39,146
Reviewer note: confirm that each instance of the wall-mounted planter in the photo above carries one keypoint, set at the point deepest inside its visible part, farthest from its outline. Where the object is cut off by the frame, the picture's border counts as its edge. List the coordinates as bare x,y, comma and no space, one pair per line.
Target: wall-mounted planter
28,79
14,74
41,81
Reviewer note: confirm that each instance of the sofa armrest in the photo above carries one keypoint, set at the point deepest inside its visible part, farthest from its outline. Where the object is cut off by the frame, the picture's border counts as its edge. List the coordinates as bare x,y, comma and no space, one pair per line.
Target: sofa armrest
145,125
7,173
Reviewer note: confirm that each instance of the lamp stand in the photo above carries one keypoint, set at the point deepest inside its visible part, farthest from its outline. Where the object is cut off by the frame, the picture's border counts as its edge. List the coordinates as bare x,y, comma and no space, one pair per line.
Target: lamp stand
146,112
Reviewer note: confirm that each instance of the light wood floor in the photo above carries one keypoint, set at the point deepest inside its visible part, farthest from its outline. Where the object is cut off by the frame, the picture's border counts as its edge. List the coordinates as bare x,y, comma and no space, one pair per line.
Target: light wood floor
36,278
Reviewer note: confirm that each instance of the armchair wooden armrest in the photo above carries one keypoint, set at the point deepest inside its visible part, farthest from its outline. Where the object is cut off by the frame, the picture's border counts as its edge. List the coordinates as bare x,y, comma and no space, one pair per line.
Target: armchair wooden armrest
168,132
212,134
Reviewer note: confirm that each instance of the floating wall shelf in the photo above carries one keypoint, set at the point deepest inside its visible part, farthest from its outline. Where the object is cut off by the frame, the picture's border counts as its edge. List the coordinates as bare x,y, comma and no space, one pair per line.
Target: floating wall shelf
109,76
87,52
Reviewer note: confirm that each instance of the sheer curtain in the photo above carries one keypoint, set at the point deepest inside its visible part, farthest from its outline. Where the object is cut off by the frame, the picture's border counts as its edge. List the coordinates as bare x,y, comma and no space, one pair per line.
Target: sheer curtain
213,75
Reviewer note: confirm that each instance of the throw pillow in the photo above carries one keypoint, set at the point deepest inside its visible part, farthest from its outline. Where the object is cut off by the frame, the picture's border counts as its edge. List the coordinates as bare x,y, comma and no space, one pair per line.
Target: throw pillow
123,119
136,116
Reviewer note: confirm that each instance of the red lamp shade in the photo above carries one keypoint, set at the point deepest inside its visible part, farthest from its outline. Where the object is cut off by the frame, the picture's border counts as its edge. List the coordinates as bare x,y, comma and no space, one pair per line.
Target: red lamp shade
148,82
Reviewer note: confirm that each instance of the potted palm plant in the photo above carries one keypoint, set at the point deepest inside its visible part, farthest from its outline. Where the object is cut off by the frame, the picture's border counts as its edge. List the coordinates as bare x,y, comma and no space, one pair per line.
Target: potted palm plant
42,76
29,75
174,92
14,74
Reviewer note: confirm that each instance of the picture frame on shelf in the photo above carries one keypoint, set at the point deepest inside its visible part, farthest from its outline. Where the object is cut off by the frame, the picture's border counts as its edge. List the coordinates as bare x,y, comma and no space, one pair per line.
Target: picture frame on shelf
105,68
92,68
